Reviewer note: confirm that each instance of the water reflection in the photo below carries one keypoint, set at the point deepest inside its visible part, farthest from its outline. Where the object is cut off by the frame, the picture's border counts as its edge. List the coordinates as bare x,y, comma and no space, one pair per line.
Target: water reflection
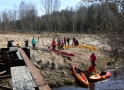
92,86
115,73
70,88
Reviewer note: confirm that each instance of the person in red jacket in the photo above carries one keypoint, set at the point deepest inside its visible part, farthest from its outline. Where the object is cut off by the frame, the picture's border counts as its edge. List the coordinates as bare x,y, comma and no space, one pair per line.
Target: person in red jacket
64,41
93,58
91,69
53,44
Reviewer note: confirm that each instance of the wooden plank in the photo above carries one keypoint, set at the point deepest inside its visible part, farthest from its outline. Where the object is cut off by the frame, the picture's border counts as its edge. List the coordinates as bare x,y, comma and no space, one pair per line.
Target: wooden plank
22,79
16,77
42,85
30,82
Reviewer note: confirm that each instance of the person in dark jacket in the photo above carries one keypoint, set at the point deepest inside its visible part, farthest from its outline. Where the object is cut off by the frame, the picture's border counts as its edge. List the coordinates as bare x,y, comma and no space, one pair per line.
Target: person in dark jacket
26,43
10,43
73,42
68,40
64,41
76,43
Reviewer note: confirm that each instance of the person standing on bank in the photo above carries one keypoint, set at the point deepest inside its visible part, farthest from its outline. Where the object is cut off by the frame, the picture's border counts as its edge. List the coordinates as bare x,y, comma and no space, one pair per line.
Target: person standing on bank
26,43
10,43
73,42
59,43
54,44
33,43
64,41
91,69
76,43
68,40
93,58
62,44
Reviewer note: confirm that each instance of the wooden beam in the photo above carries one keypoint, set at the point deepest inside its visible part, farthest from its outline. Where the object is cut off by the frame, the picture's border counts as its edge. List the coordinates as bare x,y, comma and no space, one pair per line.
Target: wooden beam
42,85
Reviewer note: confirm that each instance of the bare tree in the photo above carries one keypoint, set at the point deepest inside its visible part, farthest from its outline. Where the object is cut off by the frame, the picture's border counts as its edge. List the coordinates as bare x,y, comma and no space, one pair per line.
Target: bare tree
49,6
5,19
14,17
0,21
22,14
27,15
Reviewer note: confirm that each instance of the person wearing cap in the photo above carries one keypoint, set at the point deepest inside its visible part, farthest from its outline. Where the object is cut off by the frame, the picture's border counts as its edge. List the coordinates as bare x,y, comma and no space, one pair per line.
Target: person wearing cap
10,43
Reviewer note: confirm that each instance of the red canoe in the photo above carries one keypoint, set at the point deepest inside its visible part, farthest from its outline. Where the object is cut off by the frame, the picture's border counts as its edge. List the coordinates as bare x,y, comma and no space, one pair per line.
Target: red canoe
105,75
66,54
55,51
79,75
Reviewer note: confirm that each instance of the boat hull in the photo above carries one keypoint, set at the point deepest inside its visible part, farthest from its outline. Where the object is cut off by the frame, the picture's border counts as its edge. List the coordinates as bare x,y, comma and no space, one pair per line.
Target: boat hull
80,76
65,54
100,77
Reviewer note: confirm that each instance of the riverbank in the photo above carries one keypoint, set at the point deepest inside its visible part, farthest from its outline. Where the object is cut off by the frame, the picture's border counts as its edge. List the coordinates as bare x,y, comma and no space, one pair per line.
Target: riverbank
55,69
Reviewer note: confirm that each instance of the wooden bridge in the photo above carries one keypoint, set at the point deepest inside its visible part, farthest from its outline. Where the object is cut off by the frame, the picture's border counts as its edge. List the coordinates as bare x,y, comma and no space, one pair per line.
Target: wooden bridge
24,75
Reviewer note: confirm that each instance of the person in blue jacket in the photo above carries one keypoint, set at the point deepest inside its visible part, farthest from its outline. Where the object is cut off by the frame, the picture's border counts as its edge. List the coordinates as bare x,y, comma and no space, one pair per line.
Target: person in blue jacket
33,43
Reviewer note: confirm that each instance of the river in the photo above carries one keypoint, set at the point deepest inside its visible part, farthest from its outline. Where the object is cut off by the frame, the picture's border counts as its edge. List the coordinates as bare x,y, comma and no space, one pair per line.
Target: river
115,82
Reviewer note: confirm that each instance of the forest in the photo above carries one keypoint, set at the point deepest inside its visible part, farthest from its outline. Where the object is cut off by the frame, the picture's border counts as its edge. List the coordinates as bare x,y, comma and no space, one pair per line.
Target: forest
88,16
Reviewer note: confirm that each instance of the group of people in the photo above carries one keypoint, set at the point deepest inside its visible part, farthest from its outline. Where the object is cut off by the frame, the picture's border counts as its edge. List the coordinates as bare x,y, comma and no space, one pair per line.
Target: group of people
63,42
60,43
10,43
75,42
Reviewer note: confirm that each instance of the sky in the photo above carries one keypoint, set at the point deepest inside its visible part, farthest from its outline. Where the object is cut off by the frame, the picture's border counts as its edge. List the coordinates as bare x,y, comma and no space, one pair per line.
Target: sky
9,4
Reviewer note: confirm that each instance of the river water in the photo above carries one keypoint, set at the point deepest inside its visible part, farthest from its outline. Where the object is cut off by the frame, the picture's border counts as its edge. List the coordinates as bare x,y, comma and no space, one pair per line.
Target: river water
115,82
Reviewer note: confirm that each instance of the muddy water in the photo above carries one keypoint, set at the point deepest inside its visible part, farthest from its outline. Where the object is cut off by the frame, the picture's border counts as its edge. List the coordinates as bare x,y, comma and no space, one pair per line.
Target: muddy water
115,82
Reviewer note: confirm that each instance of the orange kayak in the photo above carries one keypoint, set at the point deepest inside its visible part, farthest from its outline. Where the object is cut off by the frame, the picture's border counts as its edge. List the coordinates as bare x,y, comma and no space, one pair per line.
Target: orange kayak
102,76
79,75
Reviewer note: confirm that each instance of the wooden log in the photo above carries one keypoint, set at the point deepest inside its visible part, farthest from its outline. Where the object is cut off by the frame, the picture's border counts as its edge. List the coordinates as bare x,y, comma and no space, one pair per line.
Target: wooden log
42,85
